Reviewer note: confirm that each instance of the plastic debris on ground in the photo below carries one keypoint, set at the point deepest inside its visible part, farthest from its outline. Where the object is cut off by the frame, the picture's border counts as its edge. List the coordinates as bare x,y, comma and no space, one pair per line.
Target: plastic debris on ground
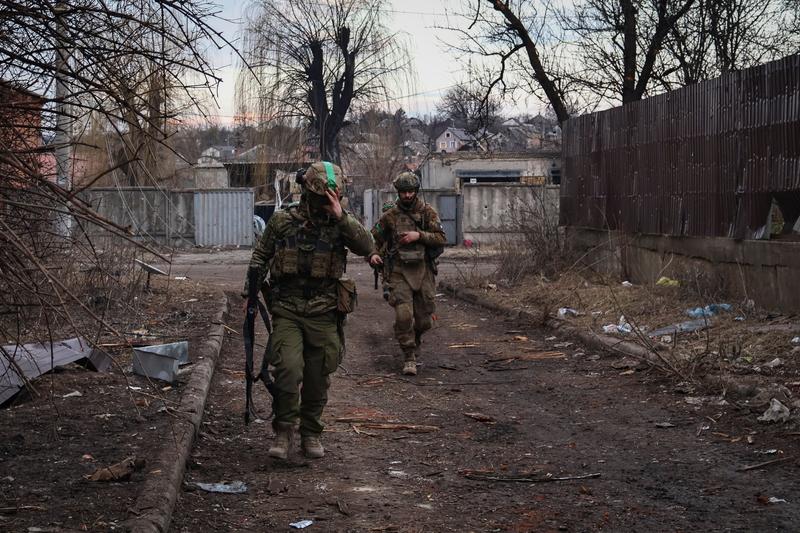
564,312
796,341
776,412
709,310
773,499
234,487
664,281
302,524
621,327
627,284
681,327
775,363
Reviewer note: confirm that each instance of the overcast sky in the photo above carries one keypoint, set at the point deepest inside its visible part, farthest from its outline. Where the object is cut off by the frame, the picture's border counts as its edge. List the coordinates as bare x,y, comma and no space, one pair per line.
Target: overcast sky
436,69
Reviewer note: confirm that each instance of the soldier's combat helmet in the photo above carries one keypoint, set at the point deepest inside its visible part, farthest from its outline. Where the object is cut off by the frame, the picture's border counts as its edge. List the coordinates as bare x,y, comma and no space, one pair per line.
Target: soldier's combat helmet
322,176
406,181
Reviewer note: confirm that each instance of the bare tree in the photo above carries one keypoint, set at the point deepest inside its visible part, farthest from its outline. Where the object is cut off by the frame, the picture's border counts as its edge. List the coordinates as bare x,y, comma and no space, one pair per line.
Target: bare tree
470,107
65,65
577,55
314,60
724,35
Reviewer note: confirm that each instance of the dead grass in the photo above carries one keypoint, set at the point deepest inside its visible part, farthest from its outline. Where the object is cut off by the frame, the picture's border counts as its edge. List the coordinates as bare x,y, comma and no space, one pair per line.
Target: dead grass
742,346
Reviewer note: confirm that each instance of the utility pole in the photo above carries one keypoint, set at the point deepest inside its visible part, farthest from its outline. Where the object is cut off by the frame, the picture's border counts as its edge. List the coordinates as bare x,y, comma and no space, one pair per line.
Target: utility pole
63,122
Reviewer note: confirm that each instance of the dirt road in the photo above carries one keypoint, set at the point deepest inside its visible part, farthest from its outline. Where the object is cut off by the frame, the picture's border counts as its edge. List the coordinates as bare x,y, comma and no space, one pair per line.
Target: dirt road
494,400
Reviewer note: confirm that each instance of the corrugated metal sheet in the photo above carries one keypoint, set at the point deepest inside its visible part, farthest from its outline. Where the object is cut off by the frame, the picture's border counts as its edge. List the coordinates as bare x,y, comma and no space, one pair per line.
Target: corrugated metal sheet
705,160
223,217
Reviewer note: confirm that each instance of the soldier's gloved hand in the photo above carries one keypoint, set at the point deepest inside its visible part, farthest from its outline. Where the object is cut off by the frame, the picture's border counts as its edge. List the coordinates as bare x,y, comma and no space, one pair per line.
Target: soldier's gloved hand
375,260
333,207
409,236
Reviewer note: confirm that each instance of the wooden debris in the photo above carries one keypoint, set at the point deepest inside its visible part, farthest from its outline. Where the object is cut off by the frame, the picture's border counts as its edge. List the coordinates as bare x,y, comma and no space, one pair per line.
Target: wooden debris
480,417
767,463
478,476
530,356
117,472
397,427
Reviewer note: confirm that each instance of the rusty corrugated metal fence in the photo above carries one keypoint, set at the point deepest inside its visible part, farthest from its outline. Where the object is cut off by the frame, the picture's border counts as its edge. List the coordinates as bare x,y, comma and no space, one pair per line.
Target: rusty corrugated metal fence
705,160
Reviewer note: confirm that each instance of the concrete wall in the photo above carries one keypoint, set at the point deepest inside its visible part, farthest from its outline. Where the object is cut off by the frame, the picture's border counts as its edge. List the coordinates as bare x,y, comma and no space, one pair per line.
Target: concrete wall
768,272
202,177
490,210
441,172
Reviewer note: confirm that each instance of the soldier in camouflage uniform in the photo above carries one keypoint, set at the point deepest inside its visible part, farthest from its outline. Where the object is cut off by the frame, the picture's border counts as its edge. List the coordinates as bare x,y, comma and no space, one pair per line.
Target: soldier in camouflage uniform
412,236
303,249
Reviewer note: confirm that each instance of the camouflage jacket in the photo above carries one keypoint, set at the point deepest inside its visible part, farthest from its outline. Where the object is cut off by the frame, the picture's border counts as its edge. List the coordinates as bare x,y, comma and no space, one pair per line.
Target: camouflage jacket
421,217
288,251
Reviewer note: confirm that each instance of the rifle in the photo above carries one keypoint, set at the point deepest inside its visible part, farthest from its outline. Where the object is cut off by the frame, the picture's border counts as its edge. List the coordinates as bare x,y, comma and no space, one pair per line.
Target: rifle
254,305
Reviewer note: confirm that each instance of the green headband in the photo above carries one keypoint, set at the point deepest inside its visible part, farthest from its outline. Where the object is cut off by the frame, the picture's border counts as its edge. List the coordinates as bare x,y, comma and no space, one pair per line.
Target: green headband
331,175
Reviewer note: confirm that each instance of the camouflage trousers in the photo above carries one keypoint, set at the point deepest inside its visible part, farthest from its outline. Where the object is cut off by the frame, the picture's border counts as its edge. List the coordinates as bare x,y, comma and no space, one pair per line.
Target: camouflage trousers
413,310
304,351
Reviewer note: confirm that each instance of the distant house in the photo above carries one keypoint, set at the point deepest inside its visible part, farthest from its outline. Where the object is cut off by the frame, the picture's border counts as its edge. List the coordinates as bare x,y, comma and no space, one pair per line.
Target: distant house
216,154
21,133
455,139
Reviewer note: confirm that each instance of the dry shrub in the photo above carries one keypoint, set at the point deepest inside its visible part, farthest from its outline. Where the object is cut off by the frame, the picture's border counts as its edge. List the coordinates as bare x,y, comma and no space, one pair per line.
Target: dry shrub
534,243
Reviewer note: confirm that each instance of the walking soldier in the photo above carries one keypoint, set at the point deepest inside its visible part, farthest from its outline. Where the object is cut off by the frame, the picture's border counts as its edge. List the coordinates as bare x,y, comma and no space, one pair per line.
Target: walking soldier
413,238
303,250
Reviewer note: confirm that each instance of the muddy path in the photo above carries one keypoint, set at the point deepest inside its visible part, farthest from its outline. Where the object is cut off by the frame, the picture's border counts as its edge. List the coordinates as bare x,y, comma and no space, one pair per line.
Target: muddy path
493,400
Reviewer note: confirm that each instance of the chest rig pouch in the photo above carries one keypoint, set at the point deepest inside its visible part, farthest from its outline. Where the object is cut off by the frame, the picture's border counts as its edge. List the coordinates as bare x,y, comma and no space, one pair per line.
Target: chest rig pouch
310,251
415,251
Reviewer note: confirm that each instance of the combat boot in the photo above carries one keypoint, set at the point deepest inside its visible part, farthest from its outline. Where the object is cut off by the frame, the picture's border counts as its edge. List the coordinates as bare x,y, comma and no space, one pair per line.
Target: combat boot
283,439
312,447
410,368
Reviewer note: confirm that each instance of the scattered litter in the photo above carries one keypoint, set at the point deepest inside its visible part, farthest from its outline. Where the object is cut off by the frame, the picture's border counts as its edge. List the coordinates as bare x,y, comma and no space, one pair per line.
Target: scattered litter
181,278
621,327
773,499
73,394
627,372
796,341
665,425
491,286
466,345
562,344
597,313
302,524
134,388
664,281
682,327
33,360
775,363
160,361
776,412
426,506
438,294
666,339
709,310
191,301
117,472
739,319
234,487
552,338
564,312
480,417
399,474
627,284
772,451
